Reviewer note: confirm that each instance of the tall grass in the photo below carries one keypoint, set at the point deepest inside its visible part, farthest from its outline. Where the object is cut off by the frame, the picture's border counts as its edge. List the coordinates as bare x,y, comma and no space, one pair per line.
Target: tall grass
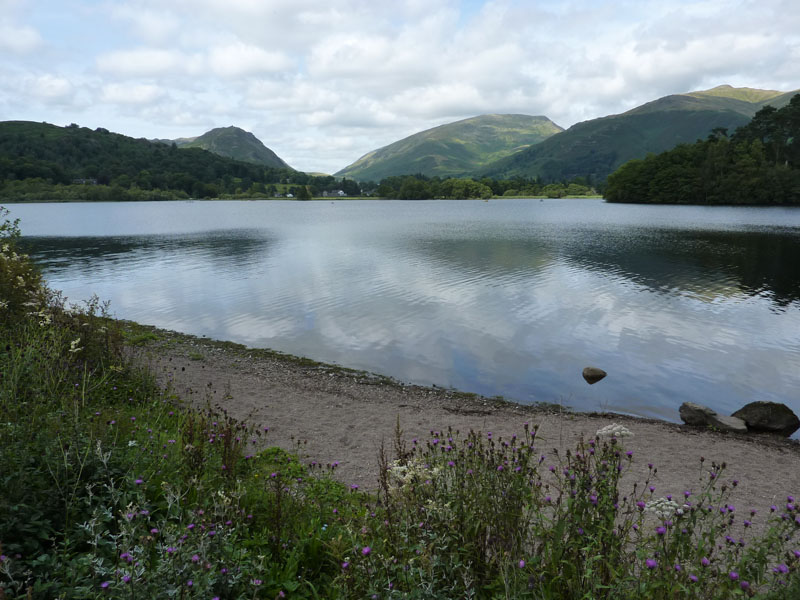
109,488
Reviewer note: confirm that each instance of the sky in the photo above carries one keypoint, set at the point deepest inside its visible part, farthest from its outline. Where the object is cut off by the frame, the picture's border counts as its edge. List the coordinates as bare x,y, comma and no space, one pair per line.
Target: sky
324,82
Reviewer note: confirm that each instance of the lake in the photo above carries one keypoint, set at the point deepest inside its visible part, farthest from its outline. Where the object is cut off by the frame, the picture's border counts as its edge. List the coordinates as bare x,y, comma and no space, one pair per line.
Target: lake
506,297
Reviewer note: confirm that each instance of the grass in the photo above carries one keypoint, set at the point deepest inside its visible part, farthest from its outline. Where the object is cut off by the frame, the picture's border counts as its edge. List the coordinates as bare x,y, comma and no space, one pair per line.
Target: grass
112,489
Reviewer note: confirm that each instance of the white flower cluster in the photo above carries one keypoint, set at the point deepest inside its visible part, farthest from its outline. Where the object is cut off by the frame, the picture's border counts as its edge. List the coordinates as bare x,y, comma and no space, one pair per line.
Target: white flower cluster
614,430
401,475
73,346
663,508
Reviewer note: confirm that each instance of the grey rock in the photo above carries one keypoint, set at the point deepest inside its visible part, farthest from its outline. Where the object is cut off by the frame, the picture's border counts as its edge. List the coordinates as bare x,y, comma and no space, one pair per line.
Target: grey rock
593,374
770,417
697,414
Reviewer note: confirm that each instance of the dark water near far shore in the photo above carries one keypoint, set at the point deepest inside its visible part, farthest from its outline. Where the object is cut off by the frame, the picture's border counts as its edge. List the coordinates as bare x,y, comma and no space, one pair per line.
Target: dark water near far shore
509,297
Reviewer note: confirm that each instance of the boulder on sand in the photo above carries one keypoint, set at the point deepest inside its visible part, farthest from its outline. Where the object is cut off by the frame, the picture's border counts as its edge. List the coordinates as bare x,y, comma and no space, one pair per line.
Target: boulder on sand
593,374
769,417
697,414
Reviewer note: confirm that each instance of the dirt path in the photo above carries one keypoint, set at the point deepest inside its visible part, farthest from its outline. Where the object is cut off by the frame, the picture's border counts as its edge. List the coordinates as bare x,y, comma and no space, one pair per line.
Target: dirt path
344,416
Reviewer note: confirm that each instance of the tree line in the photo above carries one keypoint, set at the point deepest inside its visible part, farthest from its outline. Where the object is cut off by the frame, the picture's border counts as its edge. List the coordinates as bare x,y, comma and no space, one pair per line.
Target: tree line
39,161
758,164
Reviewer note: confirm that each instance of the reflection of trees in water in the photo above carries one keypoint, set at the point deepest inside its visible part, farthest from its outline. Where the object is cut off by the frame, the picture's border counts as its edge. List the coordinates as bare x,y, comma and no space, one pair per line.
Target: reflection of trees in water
706,264
501,255
230,249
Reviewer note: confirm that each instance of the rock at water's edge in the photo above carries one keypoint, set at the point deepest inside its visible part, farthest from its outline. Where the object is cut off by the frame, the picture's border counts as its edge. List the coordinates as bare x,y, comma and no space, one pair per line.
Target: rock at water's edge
697,414
593,374
770,417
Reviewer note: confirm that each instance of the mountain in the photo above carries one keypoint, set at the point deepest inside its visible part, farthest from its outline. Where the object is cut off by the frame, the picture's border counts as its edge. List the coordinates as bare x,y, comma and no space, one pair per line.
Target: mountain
595,148
61,155
459,148
235,143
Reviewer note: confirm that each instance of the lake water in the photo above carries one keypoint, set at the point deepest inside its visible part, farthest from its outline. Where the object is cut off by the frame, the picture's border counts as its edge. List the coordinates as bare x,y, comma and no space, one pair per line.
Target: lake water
507,297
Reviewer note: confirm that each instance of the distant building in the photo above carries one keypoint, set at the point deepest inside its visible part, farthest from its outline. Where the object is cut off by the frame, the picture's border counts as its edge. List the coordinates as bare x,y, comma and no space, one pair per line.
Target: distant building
85,181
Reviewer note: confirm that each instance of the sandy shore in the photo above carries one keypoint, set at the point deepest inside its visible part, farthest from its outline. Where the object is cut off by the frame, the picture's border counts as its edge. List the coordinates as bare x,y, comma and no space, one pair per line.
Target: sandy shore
342,415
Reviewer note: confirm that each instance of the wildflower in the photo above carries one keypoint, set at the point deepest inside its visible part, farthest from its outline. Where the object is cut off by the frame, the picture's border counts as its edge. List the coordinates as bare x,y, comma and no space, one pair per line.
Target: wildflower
139,481
661,530
126,578
693,578
651,563
132,444
782,568
345,564
614,431
105,584
733,575
257,582
195,558
521,564
154,530
189,583
73,346
366,550
704,561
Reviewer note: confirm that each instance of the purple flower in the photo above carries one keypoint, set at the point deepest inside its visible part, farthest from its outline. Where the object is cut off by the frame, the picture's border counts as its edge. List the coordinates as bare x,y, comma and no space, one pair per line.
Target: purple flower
705,562
366,550
257,582
139,481
189,583
190,526
593,499
154,530
521,564
678,568
195,558
744,585
126,578
693,578
733,575
345,564
105,584
661,530
782,568
500,468
651,563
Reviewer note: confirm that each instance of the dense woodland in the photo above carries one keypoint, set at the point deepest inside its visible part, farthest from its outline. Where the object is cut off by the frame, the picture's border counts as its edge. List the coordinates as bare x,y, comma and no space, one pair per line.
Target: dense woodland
41,161
758,164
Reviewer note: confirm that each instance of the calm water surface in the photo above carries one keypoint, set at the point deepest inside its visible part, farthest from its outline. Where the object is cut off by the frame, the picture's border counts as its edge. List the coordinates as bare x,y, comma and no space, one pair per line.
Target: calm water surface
510,297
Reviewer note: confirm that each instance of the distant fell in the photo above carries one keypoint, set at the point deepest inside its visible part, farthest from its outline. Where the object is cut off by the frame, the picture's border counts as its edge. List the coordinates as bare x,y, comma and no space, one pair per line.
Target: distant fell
460,148
746,94
238,144
596,148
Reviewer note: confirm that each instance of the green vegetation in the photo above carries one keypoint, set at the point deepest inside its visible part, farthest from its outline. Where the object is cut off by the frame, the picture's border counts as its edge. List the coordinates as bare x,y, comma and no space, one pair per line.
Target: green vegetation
112,489
234,143
759,164
594,149
420,187
45,162
462,148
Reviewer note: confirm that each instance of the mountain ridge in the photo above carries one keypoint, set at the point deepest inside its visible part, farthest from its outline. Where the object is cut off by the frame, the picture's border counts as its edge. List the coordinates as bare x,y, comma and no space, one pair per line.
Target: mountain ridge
451,149
595,148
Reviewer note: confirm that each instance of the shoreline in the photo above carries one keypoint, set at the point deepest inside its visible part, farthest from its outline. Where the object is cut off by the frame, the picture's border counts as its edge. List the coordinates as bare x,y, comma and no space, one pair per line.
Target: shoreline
330,413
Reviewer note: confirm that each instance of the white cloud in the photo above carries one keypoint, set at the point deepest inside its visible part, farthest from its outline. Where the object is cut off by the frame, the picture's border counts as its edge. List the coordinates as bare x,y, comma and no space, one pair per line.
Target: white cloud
125,93
143,62
50,88
18,39
239,59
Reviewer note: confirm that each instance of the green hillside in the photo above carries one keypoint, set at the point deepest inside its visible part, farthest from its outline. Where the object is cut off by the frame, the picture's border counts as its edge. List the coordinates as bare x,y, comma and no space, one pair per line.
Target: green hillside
39,152
594,149
235,143
459,148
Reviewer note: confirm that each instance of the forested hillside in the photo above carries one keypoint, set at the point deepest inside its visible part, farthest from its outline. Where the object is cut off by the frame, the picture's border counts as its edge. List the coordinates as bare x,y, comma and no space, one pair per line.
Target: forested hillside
596,148
36,157
758,164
